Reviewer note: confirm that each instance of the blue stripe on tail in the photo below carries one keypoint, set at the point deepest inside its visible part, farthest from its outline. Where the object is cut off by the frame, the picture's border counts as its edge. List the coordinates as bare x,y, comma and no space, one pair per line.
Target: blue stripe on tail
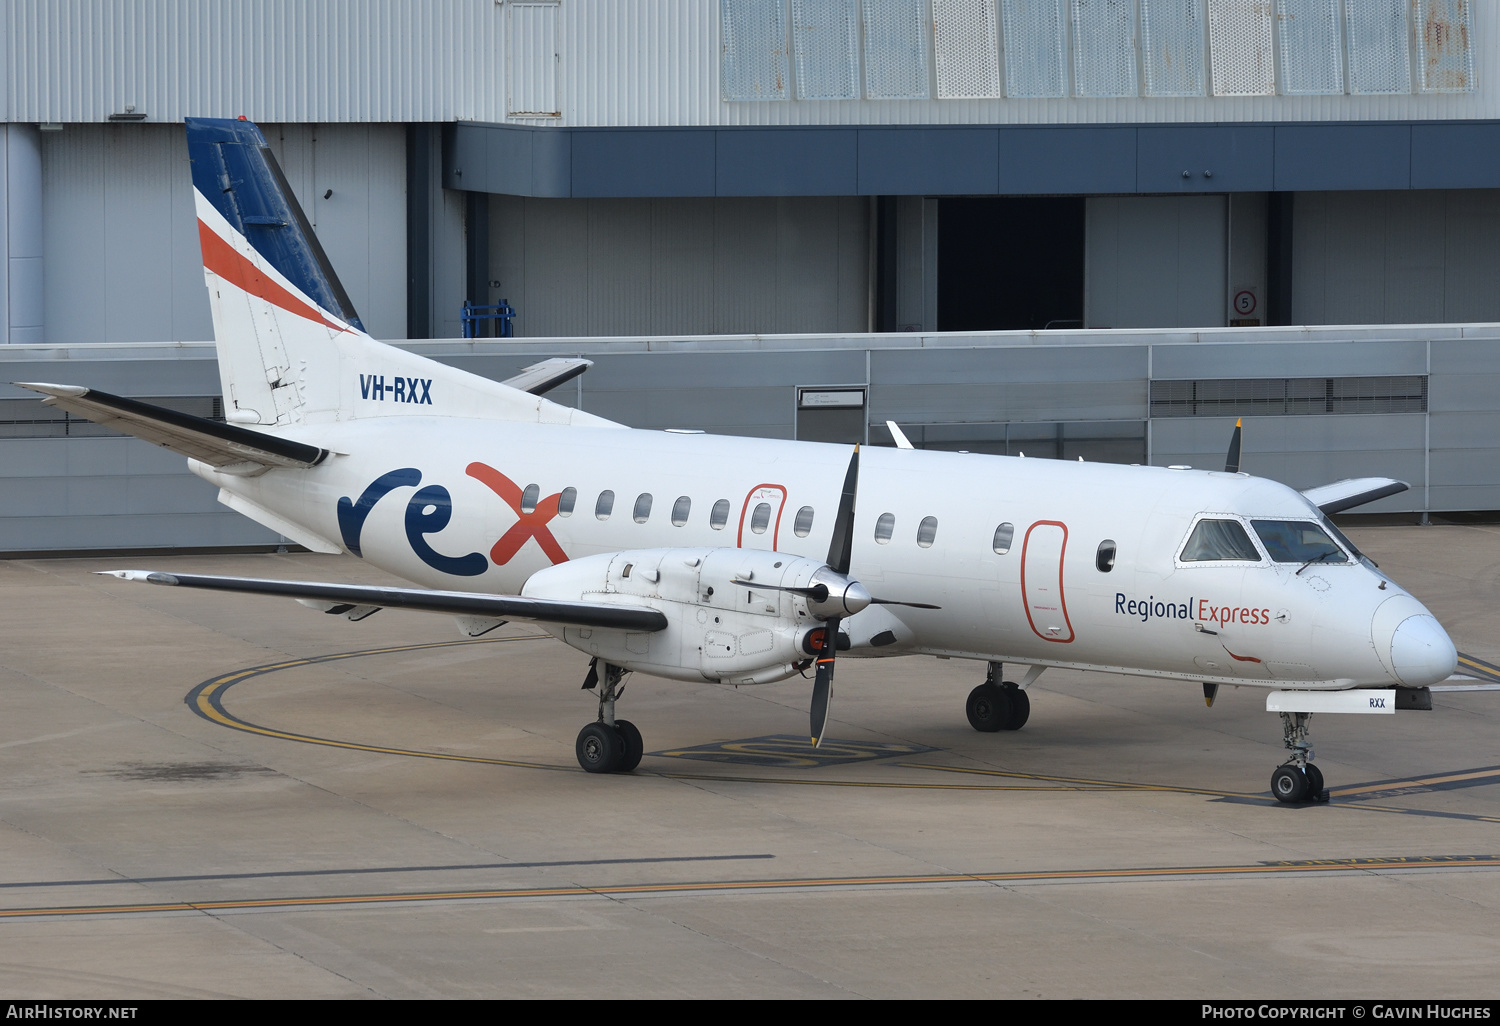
236,172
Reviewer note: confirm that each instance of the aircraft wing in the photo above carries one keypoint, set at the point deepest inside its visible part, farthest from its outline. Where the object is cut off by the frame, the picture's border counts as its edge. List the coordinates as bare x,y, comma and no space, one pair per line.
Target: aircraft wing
454,603
219,445
1355,491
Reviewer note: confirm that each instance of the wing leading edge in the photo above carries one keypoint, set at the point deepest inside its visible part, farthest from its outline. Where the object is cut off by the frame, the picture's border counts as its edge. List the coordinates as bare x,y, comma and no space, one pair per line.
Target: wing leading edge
1356,491
454,603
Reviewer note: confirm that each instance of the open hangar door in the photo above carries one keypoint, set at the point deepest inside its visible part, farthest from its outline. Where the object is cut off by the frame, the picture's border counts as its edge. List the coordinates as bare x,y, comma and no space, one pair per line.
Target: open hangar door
1011,263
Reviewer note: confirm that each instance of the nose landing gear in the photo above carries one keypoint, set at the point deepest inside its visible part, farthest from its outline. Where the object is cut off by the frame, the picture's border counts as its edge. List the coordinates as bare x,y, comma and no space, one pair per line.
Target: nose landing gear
1298,780
608,745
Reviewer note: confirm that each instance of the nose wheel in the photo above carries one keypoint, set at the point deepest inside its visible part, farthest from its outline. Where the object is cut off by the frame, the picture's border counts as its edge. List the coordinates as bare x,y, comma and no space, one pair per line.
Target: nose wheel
608,745
1299,780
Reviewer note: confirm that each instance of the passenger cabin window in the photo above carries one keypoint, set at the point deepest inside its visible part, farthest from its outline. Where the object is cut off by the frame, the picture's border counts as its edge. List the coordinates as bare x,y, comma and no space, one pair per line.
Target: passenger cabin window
1104,559
761,518
680,510
802,526
1214,540
566,501
1004,535
606,504
719,515
1298,541
642,511
529,497
926,532
885,527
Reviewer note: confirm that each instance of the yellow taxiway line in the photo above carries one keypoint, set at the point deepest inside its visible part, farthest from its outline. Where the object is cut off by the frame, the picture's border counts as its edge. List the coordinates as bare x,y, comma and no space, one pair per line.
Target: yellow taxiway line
1363,865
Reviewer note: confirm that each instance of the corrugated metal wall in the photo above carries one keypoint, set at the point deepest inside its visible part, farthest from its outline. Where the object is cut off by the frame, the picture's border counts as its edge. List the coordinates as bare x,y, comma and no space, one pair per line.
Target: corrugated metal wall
121,242
617,62
682,266
952,390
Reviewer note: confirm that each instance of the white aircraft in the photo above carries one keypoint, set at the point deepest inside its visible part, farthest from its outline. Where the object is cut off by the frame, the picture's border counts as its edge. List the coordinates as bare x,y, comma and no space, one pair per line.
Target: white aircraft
744,561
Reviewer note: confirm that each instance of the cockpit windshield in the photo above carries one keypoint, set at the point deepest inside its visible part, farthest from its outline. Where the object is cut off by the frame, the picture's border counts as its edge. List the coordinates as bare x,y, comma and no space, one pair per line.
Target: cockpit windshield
1214,540
1298,541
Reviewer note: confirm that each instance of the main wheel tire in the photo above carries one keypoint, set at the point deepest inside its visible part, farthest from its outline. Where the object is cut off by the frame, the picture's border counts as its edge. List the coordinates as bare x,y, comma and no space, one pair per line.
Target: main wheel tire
989,707
1020,707
1289,784
630,758
1314,781
600,749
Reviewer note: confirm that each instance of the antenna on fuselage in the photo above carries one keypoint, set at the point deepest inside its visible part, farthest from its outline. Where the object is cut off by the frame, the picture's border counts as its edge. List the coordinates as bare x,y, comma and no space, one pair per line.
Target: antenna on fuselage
1232,462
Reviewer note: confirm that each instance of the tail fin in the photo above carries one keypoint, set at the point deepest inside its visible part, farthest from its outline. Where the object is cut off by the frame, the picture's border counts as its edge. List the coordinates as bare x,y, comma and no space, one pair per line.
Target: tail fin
291,348
276,302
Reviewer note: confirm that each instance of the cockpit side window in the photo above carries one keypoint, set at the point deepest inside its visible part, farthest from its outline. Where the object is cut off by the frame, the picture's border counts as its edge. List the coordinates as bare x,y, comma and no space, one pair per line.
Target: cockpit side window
1298,541
1215,540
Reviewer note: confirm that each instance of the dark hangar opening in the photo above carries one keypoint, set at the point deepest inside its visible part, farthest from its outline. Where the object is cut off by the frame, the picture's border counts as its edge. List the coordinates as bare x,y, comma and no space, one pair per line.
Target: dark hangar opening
1008,264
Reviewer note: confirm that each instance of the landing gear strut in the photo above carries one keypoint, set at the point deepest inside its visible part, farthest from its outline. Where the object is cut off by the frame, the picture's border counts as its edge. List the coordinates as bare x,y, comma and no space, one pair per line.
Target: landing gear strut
608,745
1298,780
996,704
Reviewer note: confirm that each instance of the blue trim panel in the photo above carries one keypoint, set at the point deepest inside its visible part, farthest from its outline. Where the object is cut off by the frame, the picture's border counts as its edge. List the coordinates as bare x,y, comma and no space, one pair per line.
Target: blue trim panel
649,162
1067,161
235,170
1205,158
922,161
1308,157
787,162
984,160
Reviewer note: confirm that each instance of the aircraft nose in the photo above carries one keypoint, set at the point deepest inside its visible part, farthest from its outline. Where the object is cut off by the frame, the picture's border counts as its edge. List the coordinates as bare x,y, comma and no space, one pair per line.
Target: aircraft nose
1421,651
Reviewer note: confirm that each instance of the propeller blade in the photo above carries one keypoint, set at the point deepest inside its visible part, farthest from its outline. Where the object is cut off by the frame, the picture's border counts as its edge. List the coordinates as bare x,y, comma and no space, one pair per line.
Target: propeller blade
1232,463
842,546
818,592
895,602
823,683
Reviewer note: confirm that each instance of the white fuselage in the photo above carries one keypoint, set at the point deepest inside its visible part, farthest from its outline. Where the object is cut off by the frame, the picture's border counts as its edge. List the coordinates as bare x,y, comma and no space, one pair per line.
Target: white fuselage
1045,600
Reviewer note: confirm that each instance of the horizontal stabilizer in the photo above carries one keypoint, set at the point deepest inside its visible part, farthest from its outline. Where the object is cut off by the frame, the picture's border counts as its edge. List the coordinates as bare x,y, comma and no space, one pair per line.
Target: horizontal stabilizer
457,603
222,446
543,377
1356,491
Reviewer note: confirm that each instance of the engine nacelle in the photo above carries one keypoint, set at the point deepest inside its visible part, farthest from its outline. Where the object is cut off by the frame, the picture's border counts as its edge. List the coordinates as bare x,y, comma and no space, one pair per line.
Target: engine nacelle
717,630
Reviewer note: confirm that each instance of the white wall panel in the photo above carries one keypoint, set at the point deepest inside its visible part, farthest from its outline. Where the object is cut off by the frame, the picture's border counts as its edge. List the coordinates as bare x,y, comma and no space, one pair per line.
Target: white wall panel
1155,261
623,62
1036,48
825,39
1172,47
1239,34
967,48
1445,53
754,49
271,60
1312,47
895,49
1104,48
1379,46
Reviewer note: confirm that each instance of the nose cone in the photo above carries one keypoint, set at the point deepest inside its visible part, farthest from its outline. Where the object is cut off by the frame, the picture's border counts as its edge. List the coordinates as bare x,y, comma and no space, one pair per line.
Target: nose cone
1421,651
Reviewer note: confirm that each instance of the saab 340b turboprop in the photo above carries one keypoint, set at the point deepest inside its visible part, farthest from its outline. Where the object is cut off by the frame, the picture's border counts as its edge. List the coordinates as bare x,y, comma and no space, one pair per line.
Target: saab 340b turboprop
744,560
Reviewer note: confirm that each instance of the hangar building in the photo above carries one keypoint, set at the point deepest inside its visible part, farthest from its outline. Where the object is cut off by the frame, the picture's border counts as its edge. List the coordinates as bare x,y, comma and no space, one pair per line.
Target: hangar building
1283,209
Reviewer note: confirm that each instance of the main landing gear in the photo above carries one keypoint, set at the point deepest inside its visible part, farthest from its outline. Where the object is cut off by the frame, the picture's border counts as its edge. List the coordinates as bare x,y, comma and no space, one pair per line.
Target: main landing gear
608,745
996,704
1298,780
